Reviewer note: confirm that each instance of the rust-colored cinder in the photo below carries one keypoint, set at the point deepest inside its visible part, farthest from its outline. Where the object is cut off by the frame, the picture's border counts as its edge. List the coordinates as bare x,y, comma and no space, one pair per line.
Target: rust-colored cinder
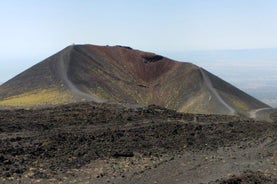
120,74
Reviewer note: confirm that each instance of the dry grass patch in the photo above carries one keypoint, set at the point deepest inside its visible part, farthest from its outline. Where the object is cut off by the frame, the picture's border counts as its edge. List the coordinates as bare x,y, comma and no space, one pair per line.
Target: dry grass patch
51,96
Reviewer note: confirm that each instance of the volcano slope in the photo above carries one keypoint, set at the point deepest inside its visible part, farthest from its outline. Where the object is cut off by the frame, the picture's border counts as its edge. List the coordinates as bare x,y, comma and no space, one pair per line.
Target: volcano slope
104,143
123,75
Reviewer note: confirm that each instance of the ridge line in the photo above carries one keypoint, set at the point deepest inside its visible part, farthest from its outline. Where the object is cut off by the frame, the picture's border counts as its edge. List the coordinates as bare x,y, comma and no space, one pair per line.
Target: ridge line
209,84
63,68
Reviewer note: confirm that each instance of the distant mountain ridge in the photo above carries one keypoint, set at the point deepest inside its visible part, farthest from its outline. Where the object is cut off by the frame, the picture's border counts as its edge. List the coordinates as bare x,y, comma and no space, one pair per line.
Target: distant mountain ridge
123,75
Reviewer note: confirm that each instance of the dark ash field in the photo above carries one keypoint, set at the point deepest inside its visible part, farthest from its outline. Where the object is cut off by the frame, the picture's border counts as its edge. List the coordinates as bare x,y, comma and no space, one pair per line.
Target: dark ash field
102,143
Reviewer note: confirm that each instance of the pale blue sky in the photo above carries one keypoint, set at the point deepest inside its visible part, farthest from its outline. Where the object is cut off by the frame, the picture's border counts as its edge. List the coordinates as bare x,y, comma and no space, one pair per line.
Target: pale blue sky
32,30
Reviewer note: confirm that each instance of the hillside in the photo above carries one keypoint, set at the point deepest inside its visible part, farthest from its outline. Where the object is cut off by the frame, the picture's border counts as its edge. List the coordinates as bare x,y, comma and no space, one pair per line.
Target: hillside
123,75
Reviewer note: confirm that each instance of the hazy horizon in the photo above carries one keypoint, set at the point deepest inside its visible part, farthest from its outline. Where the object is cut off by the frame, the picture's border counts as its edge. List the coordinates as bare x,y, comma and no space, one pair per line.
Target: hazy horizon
253,71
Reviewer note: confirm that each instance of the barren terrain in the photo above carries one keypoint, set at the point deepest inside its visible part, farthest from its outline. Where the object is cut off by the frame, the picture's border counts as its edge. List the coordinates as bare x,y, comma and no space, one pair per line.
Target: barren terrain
118,74
103,143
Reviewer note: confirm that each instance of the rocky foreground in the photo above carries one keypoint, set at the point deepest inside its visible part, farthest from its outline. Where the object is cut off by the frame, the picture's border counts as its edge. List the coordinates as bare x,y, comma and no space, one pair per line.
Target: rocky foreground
101,143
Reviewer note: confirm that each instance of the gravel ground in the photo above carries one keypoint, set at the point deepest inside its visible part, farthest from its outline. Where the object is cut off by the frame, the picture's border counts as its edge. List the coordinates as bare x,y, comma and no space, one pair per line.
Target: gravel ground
102,143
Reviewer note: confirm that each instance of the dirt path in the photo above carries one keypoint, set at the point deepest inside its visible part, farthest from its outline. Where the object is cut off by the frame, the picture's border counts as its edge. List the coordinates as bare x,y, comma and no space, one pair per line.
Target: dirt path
197,168
215,93
260,115
62,70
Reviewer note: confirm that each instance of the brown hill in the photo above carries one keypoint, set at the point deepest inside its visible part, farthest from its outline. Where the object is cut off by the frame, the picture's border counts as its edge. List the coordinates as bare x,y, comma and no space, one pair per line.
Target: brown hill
123,75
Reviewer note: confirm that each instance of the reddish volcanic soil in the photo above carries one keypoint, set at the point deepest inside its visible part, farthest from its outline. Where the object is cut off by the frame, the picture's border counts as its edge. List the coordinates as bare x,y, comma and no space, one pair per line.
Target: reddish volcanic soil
101,143
116,74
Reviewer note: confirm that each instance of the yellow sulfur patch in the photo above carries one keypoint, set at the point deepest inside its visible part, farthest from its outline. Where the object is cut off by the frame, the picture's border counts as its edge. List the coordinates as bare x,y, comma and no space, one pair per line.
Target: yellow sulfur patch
51,96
